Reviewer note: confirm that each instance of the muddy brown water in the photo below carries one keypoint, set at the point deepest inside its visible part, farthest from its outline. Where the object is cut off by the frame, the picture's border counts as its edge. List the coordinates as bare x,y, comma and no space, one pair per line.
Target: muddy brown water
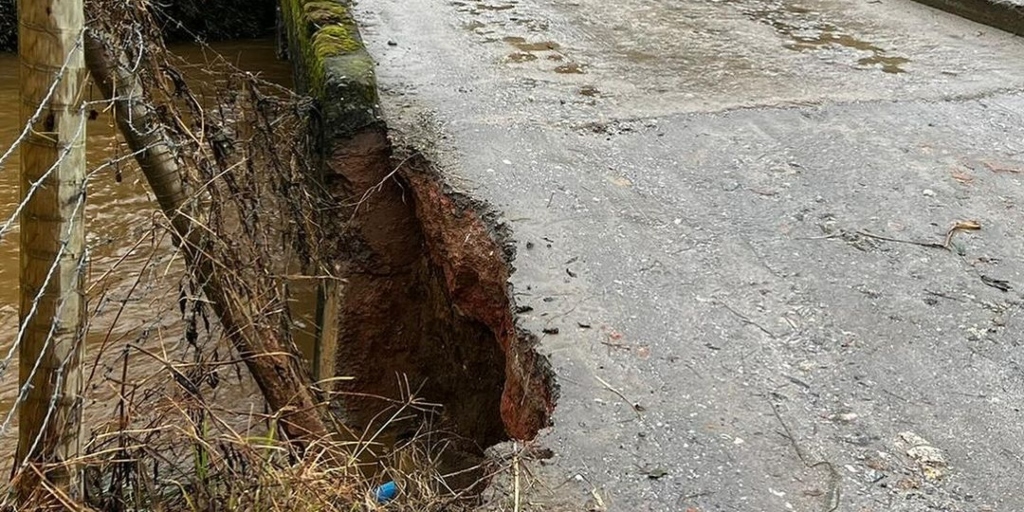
128,265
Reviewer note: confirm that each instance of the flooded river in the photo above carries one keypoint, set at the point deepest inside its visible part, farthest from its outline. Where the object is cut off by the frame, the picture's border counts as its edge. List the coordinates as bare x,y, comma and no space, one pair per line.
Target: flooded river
134,273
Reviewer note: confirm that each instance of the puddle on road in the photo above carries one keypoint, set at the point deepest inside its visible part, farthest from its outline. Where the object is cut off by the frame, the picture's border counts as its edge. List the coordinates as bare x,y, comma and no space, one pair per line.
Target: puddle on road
572,68
528,52
887,64
828,38
520,57
639,56
502,7
809,33
477,6
490,27
522,44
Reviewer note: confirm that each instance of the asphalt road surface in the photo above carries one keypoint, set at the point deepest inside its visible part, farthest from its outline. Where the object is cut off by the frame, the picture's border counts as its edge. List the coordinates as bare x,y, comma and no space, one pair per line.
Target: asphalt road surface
749,203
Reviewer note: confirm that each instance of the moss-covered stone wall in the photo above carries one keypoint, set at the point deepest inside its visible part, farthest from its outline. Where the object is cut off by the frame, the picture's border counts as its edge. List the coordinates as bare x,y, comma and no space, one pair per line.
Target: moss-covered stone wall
332,65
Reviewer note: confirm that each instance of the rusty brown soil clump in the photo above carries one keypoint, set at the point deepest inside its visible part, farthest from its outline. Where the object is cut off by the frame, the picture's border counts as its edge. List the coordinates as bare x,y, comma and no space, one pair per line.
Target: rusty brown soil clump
426,308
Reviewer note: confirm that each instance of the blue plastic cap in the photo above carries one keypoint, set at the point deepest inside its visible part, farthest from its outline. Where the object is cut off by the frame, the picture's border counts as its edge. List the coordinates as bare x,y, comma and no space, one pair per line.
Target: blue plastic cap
387,492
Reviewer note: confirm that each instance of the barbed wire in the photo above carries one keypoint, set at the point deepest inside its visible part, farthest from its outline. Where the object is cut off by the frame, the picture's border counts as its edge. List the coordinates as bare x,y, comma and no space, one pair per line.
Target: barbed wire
13,218
73,222
34,118
63,364
27,197
256,210
19,338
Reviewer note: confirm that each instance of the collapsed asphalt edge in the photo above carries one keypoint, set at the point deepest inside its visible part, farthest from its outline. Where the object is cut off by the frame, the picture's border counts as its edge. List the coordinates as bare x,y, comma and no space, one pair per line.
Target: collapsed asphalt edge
333,66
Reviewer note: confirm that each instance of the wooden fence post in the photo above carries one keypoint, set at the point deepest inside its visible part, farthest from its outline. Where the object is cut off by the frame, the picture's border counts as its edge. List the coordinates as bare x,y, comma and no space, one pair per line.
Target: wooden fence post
53,310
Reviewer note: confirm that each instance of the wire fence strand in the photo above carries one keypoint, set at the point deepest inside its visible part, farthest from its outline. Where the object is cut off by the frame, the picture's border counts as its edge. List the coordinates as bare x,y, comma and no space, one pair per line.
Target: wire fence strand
160,357
34,118
172,417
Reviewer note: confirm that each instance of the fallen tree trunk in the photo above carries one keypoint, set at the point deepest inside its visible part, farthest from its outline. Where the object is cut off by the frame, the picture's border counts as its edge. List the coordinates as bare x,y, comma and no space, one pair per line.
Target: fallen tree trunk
271,359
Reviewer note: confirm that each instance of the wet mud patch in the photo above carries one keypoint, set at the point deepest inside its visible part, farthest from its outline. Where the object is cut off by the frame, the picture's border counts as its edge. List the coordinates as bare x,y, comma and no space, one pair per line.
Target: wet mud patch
639,56
571,68
427,311
529,51
806,31
501,22
520,57
526,46
502,7
480,6
615,127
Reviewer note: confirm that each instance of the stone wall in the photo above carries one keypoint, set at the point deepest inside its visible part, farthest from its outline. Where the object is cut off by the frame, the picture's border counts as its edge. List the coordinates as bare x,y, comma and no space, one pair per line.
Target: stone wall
332,65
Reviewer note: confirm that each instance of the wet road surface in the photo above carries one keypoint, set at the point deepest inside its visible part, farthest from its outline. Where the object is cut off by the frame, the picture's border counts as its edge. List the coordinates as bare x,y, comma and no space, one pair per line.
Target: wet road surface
725,208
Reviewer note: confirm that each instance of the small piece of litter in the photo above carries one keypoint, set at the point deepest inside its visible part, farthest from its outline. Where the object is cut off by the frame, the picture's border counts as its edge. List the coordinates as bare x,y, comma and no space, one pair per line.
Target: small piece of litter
846,417
998,284
931,459
386,492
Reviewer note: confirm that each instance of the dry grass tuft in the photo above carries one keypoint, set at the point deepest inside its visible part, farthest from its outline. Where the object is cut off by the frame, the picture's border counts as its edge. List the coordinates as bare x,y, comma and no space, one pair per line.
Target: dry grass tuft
198,458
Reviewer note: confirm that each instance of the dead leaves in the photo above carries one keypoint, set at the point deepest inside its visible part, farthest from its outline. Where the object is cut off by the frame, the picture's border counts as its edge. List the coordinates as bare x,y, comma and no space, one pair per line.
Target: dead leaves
1002,168
930,459
962,172
963,178
998,284
960,225
947,243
